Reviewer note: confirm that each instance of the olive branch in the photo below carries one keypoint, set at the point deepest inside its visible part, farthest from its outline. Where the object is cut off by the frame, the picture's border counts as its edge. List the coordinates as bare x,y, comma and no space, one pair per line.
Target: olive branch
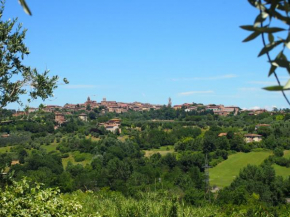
269,10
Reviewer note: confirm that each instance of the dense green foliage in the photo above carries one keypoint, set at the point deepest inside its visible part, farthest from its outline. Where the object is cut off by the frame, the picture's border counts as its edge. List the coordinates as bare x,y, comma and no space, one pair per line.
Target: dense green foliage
26,199
84,156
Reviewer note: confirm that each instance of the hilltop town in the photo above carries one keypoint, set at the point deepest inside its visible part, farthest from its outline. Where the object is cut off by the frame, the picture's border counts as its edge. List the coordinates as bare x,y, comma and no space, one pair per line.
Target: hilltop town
122,107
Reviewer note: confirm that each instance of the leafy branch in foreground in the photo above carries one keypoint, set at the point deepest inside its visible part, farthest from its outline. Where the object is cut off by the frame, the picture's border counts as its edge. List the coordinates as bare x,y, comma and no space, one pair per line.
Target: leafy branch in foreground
16,79
26,199
269,10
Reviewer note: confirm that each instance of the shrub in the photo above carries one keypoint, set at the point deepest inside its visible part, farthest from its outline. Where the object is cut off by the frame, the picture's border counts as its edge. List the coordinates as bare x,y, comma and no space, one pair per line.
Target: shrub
79,157
25,199
278,152
65,155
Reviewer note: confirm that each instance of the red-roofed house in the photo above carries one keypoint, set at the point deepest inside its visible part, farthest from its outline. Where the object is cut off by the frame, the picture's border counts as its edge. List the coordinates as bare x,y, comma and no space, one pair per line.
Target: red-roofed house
252,138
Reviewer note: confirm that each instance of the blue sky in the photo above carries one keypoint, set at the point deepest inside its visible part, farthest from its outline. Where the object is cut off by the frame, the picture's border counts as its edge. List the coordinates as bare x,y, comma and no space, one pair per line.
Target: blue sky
147,51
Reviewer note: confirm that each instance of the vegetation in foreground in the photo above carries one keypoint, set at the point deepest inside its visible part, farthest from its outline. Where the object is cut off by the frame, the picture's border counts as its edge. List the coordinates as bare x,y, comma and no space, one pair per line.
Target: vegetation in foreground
24,198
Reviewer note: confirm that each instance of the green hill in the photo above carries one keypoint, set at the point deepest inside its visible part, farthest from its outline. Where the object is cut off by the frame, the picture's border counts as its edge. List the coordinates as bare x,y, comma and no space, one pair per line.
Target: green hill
224,173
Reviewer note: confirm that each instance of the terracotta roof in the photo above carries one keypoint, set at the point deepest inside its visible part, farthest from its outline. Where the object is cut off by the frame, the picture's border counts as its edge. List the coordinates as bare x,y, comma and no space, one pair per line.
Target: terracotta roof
110,125
223,134
14,162
263,125
58,113
252,135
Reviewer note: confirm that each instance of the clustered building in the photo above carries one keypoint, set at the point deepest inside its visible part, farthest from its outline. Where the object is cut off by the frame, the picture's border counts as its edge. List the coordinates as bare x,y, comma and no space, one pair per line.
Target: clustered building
217,109
113,125
111,106
122,107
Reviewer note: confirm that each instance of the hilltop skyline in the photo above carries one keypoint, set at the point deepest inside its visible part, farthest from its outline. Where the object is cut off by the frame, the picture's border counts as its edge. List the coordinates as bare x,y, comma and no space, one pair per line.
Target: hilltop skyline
148,51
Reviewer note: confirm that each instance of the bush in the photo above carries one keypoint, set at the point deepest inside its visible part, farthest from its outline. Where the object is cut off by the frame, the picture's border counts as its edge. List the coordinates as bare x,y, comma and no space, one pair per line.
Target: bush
215,162
281,161
25,199
65,155
79,157
278,152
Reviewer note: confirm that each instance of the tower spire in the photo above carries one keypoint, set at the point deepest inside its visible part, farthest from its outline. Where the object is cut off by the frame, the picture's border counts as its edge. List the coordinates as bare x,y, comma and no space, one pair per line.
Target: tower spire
169,102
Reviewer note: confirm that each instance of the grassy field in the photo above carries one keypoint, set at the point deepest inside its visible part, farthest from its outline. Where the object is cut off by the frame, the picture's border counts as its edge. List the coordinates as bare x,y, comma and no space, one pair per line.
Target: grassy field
50,147
5,149
162,150
88,159
123,138
282,171
224,173
287,154
94,139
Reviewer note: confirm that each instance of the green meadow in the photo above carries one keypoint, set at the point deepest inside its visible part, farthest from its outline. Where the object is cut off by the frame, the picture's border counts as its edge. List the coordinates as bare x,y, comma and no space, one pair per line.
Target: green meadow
163,150
224,173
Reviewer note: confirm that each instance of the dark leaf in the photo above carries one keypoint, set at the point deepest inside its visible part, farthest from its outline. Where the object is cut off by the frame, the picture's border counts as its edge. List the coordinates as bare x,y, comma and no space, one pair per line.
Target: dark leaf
269,47
252,2
252,36
271,37
280,63
274,88
260,19
272,70
281,17
248,28
25,7
270,30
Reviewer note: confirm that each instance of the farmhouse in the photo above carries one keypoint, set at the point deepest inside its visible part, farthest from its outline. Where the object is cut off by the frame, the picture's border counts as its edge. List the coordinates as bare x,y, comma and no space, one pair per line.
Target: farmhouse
112,127
115,121
261,125
83,117
5,135
252,138
223,134
14,162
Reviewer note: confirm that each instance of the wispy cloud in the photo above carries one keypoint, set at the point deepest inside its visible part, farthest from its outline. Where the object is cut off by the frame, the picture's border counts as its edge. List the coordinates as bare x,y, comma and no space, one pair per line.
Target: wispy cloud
220,77
263,82
79,86
252,89
195,92
282,80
